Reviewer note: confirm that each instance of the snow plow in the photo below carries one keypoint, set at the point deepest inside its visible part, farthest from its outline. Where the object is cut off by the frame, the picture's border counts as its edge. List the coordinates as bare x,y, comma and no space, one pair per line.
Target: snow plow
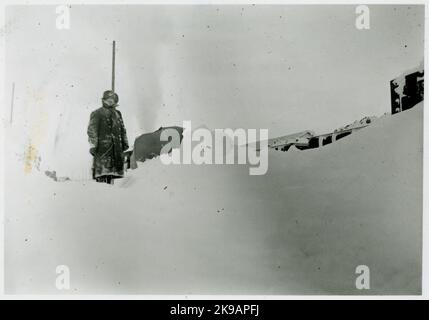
149,145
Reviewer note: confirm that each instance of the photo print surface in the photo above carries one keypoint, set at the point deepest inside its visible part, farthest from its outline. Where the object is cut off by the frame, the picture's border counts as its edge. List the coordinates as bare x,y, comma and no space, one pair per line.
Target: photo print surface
214,149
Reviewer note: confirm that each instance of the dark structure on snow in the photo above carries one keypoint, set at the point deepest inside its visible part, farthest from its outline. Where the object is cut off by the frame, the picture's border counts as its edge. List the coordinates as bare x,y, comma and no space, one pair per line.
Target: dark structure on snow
407,90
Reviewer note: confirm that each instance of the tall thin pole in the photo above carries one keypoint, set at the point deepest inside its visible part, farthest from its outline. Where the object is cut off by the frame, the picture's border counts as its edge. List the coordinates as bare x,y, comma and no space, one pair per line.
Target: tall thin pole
113,66
11,103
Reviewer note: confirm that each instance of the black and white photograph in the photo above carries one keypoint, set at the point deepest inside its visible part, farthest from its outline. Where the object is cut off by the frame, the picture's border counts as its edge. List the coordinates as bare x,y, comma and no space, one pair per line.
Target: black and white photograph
268,149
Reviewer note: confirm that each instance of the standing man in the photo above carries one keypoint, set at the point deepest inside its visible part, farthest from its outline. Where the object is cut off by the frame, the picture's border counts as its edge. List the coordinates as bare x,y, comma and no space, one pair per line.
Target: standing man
108,139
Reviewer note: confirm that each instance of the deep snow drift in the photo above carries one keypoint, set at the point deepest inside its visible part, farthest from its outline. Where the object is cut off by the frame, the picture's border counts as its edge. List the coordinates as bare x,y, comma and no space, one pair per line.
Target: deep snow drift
300,229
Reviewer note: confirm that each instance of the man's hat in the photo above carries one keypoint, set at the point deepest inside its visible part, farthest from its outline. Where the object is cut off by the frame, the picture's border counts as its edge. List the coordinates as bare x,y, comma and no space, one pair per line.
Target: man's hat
109,94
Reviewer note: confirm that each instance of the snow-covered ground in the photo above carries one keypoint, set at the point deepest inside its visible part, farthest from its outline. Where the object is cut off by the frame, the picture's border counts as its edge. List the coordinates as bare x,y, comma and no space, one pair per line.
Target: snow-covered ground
300,229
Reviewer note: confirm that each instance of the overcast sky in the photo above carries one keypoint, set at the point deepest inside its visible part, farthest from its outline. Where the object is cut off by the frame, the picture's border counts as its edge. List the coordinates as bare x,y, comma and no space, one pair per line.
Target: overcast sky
285,68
